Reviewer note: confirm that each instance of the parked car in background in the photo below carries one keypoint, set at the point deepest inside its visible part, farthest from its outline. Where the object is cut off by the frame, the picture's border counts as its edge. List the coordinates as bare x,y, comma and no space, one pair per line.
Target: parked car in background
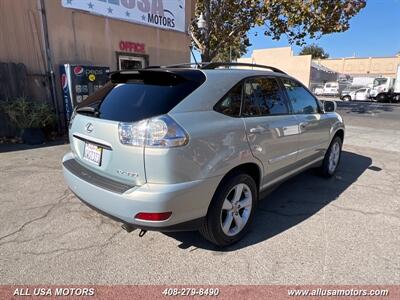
319,90
179,148
362,94
350,88
331,89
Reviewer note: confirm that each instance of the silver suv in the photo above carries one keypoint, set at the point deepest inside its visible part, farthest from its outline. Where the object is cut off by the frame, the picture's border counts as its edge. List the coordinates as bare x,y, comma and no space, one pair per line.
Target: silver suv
180,148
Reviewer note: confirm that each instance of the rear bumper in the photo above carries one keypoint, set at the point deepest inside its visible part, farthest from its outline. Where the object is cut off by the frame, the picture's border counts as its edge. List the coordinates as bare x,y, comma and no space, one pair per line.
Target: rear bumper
187,201
185,226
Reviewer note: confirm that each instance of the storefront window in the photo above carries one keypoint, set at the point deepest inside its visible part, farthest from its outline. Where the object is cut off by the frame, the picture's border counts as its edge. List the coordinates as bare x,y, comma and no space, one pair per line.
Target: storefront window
131,62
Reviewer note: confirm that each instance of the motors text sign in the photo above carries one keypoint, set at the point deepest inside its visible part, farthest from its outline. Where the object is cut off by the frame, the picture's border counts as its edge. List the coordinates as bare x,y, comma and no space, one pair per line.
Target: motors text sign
166,14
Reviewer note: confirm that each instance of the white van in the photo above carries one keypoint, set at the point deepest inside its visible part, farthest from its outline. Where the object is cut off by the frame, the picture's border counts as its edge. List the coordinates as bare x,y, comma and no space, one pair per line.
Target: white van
331,88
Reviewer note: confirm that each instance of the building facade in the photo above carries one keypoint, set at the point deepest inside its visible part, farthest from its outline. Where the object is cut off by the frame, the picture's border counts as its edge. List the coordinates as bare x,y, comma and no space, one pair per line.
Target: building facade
282,58
313,73
118,34
301,67
363,66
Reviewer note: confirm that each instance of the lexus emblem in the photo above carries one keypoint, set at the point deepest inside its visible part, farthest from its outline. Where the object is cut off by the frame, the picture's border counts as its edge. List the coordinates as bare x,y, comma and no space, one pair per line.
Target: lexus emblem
89,127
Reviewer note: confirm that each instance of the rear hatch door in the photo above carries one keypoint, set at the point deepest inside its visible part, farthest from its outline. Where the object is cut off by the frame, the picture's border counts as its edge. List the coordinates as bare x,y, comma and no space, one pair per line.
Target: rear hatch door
95,143
129,97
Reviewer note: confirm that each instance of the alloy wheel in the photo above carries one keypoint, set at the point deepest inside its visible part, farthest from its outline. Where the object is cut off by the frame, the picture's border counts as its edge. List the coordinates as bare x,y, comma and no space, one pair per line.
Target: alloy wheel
334,157
236,209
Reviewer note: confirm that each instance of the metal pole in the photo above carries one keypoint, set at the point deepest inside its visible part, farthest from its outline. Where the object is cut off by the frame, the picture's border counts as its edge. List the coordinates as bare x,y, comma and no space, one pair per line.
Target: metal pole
50,68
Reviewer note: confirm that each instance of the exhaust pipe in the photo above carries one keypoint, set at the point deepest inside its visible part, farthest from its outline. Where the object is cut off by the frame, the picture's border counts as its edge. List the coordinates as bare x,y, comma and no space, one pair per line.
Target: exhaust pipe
128,228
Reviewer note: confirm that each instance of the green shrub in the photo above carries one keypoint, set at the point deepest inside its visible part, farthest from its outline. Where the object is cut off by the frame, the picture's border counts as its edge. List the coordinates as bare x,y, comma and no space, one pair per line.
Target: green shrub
26,114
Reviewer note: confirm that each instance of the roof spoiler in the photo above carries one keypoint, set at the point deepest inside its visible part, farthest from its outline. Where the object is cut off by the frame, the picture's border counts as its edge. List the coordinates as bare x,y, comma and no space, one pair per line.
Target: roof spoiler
168,75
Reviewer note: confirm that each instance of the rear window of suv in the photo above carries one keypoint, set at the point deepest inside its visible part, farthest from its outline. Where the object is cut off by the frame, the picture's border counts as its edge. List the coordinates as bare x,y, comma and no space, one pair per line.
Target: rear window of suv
131,97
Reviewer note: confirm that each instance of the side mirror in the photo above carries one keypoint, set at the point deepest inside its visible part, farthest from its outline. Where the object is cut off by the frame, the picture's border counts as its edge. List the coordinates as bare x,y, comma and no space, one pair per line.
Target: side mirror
330,106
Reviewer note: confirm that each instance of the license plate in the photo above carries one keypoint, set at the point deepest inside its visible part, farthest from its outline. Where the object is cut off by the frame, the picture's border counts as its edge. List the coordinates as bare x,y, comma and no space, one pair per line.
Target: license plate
93,153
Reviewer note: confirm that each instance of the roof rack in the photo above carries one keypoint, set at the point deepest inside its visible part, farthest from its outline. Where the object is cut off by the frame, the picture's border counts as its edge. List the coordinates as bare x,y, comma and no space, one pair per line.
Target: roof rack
215,65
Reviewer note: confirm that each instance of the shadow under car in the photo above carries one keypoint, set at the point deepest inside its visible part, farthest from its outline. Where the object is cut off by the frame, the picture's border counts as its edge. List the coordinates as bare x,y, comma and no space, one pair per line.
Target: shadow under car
289,204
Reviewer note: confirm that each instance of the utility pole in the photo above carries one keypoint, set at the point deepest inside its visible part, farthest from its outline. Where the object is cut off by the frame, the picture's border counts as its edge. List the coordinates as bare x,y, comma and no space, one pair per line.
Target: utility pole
207,12
50,69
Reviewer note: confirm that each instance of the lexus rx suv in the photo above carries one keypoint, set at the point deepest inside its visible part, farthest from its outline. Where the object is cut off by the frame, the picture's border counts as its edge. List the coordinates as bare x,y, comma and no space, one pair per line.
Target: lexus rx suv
191,148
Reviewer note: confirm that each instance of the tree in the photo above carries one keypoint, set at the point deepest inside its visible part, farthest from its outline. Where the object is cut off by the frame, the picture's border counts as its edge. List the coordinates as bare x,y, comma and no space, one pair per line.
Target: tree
229,21
315,51
233,50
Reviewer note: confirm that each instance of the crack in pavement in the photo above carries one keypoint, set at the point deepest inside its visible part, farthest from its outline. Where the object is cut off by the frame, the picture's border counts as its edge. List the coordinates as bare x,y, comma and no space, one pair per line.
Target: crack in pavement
39,238
372,213
71,250
32,208
275,212
53,206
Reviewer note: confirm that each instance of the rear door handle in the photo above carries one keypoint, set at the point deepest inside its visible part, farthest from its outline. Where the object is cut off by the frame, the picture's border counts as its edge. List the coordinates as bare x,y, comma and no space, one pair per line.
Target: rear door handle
258,129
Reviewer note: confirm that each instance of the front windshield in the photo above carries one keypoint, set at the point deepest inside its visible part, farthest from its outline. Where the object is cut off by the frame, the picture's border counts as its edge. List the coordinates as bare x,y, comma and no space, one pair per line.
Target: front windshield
380,81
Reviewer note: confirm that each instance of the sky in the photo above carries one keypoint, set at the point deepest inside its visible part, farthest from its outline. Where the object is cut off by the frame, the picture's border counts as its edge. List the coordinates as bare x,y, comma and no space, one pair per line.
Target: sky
374,31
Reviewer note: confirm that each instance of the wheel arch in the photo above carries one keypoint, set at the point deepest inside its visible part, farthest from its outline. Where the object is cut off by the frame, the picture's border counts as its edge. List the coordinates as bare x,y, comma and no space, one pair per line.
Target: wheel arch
250,168
339,133
213,231
347,97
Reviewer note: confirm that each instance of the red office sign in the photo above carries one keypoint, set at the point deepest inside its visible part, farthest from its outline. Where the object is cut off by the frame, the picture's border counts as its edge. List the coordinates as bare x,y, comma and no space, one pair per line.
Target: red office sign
127,46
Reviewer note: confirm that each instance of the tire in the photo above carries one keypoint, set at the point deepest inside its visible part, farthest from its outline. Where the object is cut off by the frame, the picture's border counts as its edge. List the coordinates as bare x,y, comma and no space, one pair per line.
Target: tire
346,98
219,212
381,98
332,158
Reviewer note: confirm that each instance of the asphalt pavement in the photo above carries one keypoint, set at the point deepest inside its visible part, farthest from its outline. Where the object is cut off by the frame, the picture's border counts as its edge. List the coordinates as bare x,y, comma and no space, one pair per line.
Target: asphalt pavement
310,230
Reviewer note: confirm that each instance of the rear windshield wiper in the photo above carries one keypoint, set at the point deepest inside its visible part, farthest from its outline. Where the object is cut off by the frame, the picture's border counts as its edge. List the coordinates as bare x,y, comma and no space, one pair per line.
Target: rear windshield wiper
88,110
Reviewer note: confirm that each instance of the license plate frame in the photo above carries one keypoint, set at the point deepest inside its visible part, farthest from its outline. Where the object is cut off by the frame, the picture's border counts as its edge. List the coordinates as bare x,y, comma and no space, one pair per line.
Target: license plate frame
93,153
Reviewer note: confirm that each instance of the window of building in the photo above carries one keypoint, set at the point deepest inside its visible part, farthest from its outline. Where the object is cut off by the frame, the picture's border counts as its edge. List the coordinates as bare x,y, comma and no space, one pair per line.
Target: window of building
303,102
263,97
128,61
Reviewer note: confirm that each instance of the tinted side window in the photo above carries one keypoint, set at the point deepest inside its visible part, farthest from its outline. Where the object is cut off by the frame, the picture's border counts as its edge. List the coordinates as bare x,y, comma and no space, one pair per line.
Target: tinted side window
230,104
263,97
301,99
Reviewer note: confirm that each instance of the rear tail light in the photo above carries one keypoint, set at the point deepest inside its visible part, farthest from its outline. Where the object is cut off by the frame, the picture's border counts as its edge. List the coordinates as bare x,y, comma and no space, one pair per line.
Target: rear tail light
73,115
153,216
159,132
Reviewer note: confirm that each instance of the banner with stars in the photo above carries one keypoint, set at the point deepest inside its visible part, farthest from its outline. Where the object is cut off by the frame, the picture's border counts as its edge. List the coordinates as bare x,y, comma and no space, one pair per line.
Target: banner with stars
165,14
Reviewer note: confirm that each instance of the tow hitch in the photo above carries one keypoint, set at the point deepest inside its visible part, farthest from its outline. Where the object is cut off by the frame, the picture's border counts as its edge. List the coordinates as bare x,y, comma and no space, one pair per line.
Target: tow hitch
142,233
